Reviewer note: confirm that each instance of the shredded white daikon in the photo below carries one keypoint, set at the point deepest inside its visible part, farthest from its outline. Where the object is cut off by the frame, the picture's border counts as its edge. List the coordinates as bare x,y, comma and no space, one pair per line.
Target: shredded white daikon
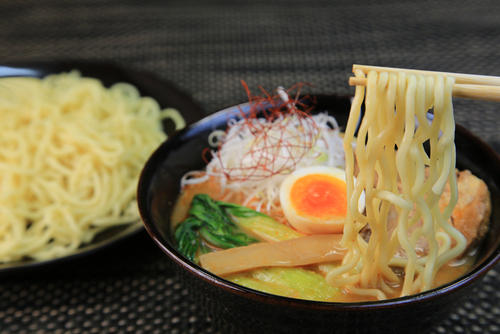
245,163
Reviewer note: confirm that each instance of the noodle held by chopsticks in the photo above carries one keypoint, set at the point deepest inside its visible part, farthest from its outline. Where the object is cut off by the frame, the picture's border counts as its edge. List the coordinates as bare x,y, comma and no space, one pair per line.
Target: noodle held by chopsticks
392,174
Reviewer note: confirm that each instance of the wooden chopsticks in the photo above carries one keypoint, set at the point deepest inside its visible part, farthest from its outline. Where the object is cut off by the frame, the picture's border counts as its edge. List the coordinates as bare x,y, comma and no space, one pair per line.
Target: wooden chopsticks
472,86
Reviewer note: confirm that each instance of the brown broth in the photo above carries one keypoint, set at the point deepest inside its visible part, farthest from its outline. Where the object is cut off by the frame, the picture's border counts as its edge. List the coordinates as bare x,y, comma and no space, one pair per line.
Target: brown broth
211,187
446,274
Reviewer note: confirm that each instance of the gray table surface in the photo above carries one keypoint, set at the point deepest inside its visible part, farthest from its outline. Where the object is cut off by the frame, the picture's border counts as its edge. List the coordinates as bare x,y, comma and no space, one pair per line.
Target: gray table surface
205,48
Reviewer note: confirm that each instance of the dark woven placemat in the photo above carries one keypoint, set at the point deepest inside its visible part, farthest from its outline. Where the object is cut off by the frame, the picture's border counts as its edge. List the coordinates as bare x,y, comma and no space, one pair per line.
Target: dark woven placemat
206,48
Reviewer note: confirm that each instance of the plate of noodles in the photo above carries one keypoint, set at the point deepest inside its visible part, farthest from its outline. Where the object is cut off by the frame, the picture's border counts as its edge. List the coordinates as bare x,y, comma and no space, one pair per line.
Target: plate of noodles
295,213
76,135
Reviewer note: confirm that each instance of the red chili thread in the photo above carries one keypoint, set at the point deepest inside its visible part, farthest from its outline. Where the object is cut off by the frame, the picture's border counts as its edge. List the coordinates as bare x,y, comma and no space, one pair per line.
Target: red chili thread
267,148
205,155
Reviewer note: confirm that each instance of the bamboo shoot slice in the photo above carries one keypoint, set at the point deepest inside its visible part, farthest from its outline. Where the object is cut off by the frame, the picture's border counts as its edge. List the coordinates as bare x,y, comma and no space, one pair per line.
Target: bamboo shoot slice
301,251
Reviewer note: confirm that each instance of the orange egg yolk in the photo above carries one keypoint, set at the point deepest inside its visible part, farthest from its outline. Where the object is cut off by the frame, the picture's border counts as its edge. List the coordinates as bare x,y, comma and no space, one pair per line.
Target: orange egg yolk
320,196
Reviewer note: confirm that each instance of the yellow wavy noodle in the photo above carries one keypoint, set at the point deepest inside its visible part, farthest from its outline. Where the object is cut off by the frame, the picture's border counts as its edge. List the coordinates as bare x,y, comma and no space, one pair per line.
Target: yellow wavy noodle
392,161
71,152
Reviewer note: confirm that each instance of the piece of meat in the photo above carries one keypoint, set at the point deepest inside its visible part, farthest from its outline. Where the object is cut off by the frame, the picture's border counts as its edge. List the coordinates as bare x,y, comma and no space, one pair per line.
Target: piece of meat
470,216
472,212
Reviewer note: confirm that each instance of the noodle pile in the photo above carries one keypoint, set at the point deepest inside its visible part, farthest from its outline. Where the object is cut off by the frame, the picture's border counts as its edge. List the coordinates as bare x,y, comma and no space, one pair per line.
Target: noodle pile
396,174
71,152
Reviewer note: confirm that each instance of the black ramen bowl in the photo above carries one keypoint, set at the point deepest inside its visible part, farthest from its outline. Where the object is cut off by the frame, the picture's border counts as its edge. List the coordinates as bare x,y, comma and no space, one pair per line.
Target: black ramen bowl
234,308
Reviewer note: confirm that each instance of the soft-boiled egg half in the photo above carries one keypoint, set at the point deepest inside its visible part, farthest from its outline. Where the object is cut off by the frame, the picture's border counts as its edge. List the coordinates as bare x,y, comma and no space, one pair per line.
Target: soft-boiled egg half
314,199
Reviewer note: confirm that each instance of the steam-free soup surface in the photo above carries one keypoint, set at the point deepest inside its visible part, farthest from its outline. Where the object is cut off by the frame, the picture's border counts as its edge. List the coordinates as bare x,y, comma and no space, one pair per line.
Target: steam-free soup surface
268,279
